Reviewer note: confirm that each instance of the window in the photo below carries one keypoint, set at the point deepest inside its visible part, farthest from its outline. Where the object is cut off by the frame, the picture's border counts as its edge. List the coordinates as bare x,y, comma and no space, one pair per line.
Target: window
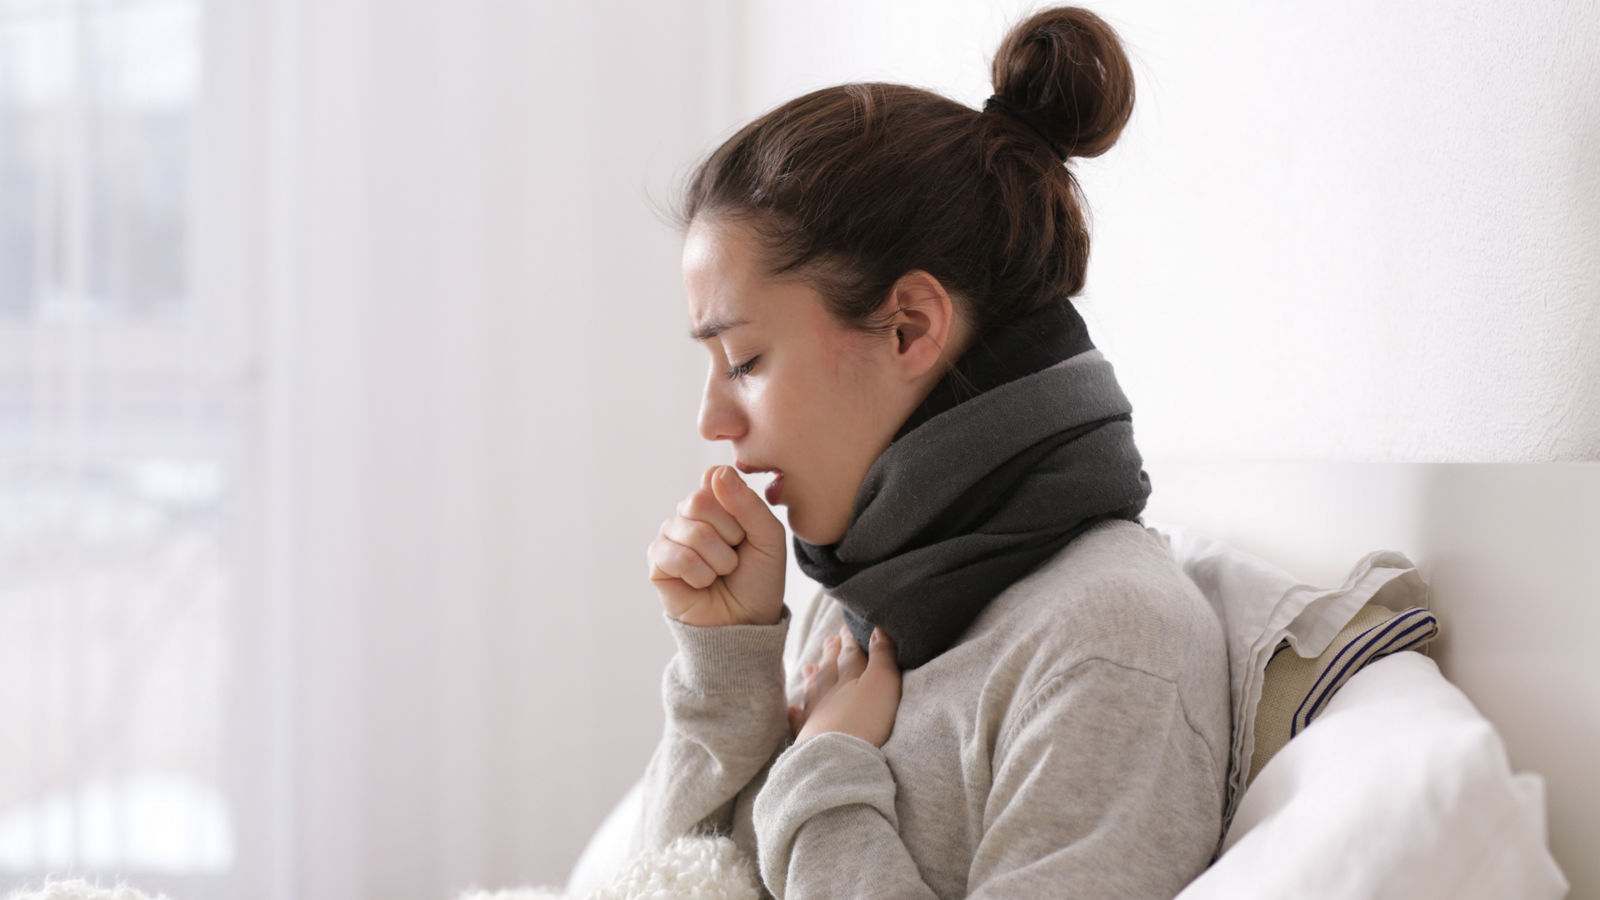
124,427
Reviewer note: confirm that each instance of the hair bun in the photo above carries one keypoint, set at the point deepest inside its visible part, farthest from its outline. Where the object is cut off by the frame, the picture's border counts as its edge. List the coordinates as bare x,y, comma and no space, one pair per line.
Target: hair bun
1065,67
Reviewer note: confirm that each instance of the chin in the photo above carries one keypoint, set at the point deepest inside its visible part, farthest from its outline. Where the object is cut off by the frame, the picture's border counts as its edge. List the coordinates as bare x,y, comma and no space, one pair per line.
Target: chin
808,532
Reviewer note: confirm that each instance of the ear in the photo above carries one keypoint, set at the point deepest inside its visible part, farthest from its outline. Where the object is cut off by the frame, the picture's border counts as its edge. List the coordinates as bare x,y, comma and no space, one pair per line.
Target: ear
926,324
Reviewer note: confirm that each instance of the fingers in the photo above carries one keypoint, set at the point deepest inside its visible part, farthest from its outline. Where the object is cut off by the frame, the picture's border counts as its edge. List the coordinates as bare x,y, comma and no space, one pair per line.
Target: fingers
843,660
881,664
704,541
827,670
760,526
703,506
697,545
669,559
811,695
852,661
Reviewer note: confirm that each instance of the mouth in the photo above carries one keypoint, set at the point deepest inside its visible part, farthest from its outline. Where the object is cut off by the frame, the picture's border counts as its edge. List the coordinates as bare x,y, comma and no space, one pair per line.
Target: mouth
774,488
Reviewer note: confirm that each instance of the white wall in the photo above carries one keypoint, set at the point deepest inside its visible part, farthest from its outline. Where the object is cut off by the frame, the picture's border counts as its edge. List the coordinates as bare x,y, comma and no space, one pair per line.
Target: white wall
1361,231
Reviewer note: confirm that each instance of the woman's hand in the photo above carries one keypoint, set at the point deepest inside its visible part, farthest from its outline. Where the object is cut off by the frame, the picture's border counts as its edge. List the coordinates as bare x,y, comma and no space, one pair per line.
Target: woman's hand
851,692
720,560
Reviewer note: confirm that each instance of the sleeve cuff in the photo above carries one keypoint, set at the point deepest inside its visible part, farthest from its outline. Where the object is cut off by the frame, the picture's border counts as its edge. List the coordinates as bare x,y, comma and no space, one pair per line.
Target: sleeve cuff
729,658
822,772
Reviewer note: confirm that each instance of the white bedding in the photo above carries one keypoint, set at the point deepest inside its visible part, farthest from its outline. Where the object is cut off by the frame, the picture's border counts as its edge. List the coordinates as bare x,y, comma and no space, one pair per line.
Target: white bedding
1400,789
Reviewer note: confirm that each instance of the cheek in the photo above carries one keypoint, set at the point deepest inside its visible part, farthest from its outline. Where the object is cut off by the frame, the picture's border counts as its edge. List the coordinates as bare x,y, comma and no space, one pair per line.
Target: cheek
842,355
762,405
792,402
831,448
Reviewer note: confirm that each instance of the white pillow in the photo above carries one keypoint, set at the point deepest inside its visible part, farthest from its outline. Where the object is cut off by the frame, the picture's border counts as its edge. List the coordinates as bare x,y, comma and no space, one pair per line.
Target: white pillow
1260,606
1400,789
610,847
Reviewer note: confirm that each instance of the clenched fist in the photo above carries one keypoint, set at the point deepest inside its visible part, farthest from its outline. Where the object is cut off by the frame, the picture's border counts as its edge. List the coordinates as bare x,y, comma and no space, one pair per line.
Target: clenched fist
720,560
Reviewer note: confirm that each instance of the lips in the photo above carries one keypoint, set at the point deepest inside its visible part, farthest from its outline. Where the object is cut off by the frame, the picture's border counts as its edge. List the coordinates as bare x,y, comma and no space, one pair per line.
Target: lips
774,487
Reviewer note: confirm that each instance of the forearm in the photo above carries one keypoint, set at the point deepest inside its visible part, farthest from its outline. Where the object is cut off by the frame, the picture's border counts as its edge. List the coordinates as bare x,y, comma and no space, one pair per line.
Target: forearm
826,824
725,704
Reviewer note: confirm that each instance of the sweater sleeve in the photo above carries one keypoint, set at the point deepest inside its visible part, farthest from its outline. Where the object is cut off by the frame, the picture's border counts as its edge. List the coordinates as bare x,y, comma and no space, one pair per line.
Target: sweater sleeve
1100,788
726,716
826,824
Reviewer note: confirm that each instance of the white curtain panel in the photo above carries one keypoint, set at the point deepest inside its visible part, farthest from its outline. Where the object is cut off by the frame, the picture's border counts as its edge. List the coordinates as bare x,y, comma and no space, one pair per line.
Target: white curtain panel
480,407
324,556
125,430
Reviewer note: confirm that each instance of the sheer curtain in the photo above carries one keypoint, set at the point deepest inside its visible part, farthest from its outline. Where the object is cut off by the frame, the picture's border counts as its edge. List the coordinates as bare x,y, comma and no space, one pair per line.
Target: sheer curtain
487,407
127,422
342,387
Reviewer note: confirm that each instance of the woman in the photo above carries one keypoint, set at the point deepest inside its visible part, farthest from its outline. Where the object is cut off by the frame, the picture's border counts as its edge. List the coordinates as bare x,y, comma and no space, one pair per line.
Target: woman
1007,687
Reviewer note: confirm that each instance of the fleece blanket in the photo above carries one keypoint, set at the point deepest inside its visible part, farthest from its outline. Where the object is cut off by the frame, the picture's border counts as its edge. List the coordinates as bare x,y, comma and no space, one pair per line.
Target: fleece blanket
706,867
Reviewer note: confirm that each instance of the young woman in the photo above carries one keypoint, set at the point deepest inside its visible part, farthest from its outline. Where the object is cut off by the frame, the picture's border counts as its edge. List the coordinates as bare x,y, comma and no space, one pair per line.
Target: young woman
1007,687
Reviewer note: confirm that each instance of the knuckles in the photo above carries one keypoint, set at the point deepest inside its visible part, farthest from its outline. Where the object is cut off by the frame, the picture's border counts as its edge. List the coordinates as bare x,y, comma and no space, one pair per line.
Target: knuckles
700,532
698,504
683,555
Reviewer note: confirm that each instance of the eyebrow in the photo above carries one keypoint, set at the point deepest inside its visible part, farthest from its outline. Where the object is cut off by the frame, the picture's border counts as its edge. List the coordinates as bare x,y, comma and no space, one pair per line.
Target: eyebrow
714,328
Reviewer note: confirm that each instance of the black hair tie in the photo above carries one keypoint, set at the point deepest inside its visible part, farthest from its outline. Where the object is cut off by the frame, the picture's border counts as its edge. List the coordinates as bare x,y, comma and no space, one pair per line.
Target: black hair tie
998,102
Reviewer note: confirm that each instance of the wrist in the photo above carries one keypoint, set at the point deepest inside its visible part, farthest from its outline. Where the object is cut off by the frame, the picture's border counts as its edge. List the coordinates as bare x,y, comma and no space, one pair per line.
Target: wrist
736,658
773,619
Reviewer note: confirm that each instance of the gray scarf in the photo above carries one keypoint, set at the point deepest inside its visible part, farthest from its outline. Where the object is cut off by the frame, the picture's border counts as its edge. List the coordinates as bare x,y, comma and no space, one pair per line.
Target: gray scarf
978,489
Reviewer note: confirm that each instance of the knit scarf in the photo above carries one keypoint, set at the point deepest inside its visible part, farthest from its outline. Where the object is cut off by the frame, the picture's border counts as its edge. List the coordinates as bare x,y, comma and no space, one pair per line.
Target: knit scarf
1024,444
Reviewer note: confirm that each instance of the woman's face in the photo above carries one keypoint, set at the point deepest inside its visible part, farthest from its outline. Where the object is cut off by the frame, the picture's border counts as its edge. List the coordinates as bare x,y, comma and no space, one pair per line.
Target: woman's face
792,389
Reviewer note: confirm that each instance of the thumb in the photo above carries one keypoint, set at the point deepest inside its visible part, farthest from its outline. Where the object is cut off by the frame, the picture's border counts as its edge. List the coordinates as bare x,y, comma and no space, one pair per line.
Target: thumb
880,656
761,528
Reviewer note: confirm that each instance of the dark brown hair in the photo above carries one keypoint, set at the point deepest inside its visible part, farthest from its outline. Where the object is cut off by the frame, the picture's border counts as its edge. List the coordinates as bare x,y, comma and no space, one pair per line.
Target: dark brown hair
850,187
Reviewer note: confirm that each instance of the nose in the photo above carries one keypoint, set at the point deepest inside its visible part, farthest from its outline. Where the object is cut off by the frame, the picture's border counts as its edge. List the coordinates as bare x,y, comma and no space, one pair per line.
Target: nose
720,416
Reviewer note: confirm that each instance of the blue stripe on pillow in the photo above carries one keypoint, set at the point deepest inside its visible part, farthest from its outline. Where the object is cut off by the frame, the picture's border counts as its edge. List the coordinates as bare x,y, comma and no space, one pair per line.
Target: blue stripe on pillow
1349,647
1396,643
1368,651
1420,626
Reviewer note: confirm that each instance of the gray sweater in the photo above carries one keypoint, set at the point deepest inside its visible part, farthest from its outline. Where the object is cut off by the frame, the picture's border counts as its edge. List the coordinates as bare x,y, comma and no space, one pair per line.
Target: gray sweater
1073,743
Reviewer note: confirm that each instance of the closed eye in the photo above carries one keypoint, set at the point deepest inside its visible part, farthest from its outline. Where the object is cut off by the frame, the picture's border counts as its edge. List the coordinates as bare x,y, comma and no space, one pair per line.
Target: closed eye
742,369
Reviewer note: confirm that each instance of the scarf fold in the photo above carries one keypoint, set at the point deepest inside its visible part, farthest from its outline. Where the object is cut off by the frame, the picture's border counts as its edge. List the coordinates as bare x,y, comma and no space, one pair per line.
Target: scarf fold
1021,447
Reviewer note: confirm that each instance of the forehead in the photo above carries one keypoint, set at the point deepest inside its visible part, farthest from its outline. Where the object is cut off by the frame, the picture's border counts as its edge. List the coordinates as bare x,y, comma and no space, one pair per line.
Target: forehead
719,264
726,285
